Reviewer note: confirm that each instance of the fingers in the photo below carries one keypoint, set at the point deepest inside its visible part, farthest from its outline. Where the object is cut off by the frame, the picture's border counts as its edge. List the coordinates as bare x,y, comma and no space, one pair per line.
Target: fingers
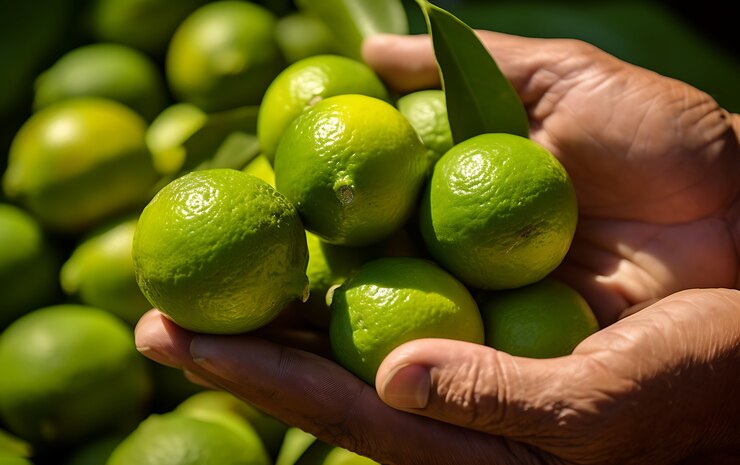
407,63
318,396
477,387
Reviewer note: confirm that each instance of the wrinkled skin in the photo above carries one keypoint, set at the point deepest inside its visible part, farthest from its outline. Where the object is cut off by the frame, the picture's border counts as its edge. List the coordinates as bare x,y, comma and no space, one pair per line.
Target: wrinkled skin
656,166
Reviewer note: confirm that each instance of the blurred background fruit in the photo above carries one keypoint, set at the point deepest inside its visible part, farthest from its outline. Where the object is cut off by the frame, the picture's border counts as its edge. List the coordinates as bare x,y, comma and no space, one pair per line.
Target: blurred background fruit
146,25
79,162
426,110
100,271
111,71
70,373
29,265
224,55
181,439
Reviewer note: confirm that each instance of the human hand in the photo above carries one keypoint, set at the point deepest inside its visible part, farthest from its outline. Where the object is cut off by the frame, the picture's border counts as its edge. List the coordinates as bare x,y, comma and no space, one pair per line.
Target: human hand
651,388
654,162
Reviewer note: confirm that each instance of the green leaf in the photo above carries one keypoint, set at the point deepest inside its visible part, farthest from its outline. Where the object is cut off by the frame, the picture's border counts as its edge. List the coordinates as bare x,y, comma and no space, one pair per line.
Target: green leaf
479,97
351,21
204,143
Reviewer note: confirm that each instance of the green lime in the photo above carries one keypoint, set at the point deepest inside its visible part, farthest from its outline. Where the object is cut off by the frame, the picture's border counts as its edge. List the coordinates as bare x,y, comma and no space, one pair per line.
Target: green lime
101,271
301,35
220,251
260,167
303,84
79,162
499,212
328,266
295,443
426,110
146,25
353,167
70,372
224,55
111,71
13,460
322,453
28,265
176,439
542,320
207,403
13,446
390,301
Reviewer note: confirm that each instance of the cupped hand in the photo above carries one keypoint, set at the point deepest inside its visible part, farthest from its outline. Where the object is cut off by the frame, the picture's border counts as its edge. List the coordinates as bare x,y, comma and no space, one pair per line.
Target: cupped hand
655,163
652,388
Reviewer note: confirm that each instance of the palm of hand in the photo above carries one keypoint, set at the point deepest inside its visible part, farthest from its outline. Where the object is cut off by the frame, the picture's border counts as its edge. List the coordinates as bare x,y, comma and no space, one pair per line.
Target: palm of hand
656,175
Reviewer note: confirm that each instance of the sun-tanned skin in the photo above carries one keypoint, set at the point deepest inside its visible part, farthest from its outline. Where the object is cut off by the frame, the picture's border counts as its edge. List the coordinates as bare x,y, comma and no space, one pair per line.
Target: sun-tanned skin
656,166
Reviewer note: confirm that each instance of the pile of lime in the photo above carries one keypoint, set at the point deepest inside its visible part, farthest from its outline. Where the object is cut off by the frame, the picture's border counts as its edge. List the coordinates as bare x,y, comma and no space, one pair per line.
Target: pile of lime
223,162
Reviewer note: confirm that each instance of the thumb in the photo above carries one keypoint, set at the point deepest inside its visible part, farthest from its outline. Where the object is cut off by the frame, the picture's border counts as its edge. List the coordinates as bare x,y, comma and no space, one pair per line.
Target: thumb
477,387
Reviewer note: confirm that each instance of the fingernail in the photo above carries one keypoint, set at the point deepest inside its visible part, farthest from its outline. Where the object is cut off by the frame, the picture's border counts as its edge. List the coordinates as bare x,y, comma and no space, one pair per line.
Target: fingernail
154,355
407,387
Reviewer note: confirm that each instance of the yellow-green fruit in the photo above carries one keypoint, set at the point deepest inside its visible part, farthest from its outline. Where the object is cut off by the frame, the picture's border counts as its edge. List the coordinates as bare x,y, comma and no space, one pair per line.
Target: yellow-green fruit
101,272
220,251
353,167
109,71
328,265
224,56
146,25
28,265
176,439
166,136
70,372
78,162
301,35
542,320
294,444
394,300
13,460
322,453
306,82
13,446
426,110
499,212
208,403
260,167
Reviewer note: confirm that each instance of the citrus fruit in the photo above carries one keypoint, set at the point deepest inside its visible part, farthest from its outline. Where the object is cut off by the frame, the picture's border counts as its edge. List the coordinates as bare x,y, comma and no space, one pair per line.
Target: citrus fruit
499,212
28,265
6,459
79,162
166,135
426,110
224,55
111,71
295,443
322,453
353,167
220,251
305,83
175,439
70,372
260,167
328,265
11,445
207,403
300,35
542,320
390,301
146,25
101,271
